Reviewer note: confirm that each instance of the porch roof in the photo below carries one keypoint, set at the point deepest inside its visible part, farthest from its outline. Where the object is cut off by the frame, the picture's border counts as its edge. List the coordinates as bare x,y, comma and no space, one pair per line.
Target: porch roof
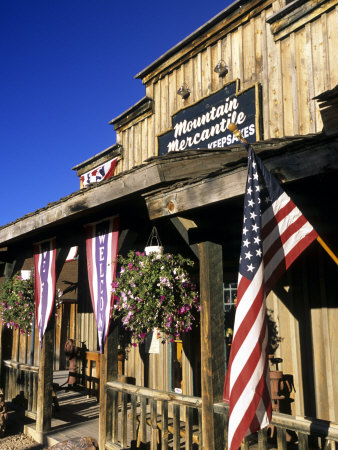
183,180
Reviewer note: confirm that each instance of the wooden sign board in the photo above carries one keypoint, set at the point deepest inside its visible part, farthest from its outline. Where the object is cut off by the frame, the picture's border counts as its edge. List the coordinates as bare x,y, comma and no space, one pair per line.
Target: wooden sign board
205,123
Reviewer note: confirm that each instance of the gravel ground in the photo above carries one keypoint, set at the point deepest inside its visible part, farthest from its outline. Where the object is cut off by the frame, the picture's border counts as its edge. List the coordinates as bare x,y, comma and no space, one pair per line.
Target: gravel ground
15,439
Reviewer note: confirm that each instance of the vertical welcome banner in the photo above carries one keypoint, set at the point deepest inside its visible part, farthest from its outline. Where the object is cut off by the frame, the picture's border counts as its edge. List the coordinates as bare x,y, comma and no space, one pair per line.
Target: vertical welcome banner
101,245
44,265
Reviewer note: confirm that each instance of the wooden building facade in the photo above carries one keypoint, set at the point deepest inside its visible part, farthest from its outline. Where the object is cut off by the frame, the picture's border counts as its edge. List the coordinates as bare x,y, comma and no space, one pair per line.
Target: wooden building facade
281,76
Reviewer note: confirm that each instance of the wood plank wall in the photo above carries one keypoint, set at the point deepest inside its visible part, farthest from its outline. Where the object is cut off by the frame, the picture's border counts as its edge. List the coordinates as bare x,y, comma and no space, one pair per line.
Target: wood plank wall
305,309
291,69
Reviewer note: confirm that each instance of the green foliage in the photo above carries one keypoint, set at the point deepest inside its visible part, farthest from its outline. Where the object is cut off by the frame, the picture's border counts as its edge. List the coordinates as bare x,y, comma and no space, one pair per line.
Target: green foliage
17,303
154,291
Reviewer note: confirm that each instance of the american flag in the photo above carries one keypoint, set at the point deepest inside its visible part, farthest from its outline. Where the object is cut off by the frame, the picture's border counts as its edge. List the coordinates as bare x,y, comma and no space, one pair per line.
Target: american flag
274,234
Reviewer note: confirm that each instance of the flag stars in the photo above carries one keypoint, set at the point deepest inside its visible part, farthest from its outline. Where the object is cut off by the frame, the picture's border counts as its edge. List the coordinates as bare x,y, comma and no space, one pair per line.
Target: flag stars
245,230
250,268
248,255
255,176
259,252
249,191
251,203
254,227
246,243
253,215
257,241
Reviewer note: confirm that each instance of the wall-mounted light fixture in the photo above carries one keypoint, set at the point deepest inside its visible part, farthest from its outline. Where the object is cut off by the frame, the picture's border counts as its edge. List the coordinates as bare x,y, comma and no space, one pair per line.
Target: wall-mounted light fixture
184,91
221,68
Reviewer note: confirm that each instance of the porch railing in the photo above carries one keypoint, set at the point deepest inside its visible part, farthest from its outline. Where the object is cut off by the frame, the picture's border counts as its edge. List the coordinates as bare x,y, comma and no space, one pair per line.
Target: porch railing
142,416
21,386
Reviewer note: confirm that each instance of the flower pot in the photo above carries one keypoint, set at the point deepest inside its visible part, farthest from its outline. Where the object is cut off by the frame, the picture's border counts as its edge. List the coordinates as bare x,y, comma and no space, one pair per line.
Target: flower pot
158,249
26,274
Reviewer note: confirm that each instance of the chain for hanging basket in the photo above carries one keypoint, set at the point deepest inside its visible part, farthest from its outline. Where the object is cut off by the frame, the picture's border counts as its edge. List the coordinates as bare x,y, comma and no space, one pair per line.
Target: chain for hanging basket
154,244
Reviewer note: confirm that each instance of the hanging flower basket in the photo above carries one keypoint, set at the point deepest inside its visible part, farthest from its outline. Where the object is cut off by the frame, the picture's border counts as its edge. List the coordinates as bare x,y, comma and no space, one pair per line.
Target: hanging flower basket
17,303
155,291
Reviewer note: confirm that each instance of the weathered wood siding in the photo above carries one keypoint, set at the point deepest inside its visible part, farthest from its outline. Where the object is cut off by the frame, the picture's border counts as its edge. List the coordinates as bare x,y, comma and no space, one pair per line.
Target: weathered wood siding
305,309
292,65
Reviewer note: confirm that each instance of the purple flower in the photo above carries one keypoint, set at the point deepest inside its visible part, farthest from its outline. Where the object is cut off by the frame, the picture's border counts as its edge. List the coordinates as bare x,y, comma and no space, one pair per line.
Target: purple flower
137,253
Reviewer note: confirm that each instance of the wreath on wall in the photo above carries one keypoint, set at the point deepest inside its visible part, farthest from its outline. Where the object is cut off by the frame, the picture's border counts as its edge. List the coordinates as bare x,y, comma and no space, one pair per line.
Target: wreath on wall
155,291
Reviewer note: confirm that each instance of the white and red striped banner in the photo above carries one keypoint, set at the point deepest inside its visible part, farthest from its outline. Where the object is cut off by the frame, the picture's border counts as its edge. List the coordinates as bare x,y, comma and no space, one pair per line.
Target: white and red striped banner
274,234
100,173
101,245
44,266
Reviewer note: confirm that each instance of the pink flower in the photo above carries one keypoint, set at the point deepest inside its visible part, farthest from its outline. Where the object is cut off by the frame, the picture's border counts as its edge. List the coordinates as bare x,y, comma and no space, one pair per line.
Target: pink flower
137,253
134,344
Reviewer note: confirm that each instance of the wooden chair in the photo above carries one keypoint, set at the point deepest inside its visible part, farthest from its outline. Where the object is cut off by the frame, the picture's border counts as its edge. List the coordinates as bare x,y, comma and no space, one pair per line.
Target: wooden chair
93,383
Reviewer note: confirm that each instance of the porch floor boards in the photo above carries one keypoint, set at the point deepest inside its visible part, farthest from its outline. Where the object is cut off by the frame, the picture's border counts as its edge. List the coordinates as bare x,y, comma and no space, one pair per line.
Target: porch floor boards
77,416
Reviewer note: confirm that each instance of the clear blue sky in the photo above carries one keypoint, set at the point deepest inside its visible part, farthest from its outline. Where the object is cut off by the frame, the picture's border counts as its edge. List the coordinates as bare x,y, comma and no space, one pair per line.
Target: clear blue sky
67,69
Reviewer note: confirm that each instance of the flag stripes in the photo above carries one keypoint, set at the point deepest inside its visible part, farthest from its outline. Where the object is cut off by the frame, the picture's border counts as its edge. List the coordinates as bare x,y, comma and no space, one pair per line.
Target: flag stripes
44,283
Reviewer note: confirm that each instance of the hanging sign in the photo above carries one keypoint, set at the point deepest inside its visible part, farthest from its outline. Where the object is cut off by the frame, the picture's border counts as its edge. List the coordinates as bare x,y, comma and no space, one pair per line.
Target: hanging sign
153,342
101,246
205,124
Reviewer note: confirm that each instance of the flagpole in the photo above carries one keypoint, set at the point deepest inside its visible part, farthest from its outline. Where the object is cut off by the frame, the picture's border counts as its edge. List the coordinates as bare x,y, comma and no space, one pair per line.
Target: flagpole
327,249
233,128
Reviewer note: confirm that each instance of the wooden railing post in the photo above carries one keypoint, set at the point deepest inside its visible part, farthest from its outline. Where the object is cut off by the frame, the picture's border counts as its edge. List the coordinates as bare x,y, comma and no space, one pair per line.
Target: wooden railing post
108,372
212,342
45,380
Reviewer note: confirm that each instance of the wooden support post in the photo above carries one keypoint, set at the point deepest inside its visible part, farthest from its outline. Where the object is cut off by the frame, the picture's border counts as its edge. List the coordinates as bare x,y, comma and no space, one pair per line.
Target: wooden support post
108,372
45,383
212,342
